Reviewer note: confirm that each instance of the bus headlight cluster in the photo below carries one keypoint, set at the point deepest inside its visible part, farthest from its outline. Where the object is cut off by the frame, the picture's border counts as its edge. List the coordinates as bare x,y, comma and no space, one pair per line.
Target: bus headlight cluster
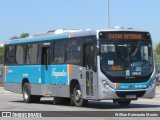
106,84
152,84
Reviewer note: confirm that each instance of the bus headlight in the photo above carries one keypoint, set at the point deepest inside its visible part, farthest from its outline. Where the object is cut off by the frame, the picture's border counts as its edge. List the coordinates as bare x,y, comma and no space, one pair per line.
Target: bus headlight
106,84
153,82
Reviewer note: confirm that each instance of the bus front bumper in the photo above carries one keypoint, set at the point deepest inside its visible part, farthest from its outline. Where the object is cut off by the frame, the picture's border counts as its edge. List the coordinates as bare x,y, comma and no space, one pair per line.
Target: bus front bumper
111,94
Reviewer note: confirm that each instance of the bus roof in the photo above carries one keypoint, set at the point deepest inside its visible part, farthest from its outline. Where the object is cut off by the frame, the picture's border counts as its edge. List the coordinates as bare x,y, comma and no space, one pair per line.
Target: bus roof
64,33
121,29
53,35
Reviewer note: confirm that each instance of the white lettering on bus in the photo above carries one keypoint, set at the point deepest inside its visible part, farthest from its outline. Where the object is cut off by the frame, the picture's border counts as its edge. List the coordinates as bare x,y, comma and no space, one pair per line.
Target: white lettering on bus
58,74
25,75
10,71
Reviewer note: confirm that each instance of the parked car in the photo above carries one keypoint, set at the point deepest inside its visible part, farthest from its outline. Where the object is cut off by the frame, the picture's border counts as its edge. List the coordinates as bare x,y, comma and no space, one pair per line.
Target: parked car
158,77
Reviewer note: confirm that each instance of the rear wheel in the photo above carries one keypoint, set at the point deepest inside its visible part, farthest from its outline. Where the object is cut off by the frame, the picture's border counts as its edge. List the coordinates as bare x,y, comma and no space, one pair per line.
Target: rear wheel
77,97
28,98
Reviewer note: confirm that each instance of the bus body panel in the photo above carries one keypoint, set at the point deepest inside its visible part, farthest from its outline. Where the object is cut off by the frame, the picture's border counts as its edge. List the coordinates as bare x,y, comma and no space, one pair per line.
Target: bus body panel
54,83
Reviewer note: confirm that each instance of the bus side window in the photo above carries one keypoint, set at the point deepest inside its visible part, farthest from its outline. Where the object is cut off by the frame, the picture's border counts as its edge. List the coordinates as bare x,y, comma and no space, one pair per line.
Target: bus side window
73,51
20,54
59,52
32,56
9,55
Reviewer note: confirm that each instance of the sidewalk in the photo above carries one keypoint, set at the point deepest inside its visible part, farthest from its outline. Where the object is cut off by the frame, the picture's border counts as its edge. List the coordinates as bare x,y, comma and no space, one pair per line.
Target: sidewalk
3,91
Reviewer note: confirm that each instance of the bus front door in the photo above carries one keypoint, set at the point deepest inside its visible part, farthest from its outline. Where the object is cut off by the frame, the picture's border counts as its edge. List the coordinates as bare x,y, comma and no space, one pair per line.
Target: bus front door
89,65
45,69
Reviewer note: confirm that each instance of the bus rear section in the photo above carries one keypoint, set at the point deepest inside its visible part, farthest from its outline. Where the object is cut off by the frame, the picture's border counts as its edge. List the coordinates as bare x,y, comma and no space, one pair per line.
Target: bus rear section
125,66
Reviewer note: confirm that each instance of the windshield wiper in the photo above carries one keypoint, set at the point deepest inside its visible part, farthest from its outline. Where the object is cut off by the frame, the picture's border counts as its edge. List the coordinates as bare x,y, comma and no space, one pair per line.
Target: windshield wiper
136,50
129,58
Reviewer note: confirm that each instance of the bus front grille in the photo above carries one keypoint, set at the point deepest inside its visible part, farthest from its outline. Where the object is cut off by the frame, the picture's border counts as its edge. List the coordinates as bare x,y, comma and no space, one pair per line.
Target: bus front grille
124,94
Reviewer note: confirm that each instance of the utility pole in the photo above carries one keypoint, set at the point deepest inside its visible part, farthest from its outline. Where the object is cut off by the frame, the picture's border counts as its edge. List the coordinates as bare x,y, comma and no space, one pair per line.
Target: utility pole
108,15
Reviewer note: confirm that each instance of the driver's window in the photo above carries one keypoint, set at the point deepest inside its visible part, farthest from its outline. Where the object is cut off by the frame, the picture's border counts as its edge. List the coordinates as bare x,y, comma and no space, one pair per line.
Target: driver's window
144,53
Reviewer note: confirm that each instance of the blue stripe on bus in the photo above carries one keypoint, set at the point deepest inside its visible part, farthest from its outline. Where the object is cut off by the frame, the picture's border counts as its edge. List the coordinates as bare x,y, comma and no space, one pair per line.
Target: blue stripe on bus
134,86
37,74
37,39
17,73
56,74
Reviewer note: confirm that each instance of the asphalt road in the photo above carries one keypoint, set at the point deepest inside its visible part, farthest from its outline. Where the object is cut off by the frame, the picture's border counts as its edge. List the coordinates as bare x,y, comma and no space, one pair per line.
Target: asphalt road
14,102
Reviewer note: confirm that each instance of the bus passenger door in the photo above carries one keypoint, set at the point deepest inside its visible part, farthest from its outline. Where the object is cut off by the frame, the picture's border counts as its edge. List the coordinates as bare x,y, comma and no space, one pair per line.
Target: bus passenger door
89,66
46,60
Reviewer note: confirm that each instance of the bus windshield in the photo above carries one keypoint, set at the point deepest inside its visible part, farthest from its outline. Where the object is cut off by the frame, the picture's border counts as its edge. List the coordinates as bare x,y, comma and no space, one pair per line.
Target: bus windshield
126,59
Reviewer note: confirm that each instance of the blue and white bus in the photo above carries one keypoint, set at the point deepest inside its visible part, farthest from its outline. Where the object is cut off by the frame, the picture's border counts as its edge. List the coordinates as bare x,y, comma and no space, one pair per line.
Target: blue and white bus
75,66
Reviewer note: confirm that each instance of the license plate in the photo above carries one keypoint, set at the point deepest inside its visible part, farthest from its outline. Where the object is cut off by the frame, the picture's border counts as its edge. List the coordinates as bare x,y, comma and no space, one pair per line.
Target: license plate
130,96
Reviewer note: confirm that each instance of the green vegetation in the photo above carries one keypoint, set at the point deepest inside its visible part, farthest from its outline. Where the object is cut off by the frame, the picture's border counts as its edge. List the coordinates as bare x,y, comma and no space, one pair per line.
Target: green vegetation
23,35
1,55
157,49
157,60
1,62
14,37
157,55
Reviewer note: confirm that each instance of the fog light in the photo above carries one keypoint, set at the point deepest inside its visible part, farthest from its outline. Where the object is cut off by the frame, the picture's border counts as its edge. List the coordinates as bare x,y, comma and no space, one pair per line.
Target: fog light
153,82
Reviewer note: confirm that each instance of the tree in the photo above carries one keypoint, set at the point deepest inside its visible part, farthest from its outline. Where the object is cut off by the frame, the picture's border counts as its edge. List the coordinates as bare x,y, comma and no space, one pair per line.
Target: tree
1,62
157,49
14,37
24,35
157,55
1,54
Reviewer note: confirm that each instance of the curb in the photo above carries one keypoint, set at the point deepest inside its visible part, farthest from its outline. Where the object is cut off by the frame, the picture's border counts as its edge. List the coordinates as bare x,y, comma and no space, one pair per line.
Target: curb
3,91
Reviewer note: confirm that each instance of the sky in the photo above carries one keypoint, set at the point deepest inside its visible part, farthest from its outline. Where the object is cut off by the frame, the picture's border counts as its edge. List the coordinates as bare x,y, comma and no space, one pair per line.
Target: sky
40,16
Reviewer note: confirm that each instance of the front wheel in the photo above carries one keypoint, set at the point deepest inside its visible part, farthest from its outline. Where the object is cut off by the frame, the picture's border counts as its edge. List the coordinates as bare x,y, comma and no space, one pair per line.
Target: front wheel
77,97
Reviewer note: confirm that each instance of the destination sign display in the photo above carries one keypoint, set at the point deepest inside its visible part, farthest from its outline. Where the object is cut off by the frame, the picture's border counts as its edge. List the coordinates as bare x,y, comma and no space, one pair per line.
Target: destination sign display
124,35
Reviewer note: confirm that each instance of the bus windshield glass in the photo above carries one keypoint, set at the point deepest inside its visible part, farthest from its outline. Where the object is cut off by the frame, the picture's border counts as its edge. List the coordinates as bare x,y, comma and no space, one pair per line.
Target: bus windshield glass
126,59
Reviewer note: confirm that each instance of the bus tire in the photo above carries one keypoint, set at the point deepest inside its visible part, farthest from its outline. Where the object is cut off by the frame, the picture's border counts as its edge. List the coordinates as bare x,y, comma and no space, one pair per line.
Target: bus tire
77,97
124,103
27,97
72,101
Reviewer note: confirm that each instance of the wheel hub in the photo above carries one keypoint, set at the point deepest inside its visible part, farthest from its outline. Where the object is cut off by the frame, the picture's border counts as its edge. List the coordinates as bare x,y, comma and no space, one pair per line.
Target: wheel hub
78,95
26,93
